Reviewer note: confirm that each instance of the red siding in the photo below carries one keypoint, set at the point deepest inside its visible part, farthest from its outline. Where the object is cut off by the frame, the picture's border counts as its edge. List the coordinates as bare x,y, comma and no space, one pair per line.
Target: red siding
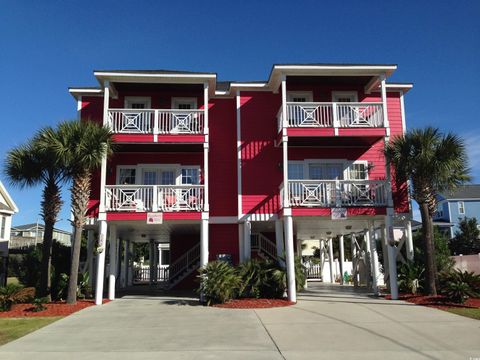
223,158
183,215
92,108
261,173
224,240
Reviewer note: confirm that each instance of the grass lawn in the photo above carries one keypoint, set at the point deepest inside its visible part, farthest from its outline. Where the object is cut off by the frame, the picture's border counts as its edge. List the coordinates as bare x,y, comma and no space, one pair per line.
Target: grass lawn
13,328
471,313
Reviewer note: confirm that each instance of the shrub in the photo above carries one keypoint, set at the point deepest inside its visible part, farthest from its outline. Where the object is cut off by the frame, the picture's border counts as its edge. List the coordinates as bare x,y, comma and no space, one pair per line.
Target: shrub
219,282
409,277
458,286
84,289
9,295
25,295
39,304
300,275
259,279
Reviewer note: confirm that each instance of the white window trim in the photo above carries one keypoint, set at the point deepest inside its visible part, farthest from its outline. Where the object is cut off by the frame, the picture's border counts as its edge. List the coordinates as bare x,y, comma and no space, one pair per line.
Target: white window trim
463,207
306,94
129,99
140,168
352,93
176,100
346,165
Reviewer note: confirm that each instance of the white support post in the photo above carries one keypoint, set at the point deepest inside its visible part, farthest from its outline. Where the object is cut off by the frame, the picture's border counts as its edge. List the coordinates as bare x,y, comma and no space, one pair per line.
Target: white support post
247,240
286,188
279,241
155,199
112,268
392,254
409,240
102,241
322,258
155,126
205,107
373,258
342,258
336,123
204,243
130,268
368,250
384,102
126,260
330,260
354,260
241,246
103,166
151,261
290,258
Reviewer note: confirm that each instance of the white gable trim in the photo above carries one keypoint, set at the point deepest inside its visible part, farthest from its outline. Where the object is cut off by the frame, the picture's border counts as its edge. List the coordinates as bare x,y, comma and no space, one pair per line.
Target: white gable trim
8,198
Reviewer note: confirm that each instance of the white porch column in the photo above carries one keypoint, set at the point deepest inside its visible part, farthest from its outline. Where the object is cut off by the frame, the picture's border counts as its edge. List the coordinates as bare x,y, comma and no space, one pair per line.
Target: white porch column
102,241
279,241
126,260
241,246
130,268
112,268
373,258
322,258
204,243
354,260
247,240
409,242
290,258
392,255
330,260
151,261
342,257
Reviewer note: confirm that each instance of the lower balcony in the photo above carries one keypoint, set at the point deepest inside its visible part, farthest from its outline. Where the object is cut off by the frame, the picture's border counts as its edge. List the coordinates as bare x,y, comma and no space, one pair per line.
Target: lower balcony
154,198
337,193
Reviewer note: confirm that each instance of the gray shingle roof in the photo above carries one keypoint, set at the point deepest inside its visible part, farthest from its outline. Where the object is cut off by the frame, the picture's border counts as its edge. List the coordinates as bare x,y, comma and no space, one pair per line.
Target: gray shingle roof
464,192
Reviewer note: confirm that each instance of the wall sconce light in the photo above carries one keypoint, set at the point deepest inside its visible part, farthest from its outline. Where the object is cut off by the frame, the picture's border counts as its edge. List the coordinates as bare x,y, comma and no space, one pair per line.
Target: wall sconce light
370,166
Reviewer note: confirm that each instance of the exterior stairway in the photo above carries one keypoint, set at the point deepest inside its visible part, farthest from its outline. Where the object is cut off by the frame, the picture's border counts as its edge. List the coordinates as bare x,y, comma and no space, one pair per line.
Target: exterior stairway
265,248
182,267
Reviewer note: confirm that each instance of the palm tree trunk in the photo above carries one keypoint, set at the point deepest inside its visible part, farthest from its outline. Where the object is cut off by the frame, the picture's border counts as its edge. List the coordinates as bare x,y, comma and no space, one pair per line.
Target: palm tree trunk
429,249
51,205
80,196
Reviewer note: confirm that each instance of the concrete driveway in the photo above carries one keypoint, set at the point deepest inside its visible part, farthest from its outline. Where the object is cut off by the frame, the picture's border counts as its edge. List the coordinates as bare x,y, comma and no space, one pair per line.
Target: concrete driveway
327,323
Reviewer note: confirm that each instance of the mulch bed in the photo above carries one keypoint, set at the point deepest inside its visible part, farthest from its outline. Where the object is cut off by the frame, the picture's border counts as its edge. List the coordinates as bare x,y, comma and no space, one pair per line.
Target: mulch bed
56,308
254,304
439,301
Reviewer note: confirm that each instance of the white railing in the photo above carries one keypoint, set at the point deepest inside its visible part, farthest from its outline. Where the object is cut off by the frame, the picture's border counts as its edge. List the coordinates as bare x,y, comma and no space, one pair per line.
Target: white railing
337,193
141,274
332,115
156,121
184,262
164,198
262,243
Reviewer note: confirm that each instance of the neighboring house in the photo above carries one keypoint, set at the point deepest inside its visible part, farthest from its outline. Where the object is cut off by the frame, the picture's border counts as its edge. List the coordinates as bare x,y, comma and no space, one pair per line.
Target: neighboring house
453,207
24,236
231,170
7,209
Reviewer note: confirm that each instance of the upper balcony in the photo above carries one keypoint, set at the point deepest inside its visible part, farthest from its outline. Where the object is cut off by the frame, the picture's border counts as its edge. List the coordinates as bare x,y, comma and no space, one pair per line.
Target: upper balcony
158,125
330,119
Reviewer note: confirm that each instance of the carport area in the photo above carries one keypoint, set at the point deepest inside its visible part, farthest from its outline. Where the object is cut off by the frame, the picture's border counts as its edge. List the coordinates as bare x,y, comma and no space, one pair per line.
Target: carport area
328,322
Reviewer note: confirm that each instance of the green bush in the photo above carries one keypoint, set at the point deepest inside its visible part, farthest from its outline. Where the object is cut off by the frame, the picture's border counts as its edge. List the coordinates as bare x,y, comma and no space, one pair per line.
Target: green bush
219,282
39,304
84,289
458,286
409,277
300,275
9,295
259,279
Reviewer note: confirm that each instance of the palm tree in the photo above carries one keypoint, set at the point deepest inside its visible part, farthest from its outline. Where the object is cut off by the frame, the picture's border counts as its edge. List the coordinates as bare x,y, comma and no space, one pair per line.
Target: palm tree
435,163
81,146
30,165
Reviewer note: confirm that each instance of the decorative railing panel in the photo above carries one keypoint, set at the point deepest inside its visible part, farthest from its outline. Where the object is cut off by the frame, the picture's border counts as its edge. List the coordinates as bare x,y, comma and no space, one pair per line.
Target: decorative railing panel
262,243
337,193
332,115
144,198
156,121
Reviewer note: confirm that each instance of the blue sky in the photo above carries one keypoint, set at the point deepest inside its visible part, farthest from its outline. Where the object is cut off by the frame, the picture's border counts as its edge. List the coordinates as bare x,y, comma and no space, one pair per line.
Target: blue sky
46,46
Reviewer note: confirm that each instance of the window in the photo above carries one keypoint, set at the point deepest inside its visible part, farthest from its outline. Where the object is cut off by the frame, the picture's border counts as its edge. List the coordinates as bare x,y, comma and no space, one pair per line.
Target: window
190,176
461,207
126,176
165,257
295,171
150,177
2,229
137,102
358,171
300,96
167,177
344,96
325,171
184,103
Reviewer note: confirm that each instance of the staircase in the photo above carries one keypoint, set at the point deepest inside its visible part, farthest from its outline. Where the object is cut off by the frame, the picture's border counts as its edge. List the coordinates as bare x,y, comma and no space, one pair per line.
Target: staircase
265,248
182,267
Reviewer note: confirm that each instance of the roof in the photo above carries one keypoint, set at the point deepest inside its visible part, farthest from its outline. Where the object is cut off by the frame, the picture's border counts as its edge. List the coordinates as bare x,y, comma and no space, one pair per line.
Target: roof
11,204
464,192
161,71
34,226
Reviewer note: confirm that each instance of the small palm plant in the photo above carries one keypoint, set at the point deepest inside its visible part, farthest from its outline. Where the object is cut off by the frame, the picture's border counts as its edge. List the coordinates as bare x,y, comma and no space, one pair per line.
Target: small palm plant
219,282
410,277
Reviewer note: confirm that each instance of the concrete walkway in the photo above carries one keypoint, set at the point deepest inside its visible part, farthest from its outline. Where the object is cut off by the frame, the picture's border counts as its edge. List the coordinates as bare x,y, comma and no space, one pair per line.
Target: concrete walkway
327,323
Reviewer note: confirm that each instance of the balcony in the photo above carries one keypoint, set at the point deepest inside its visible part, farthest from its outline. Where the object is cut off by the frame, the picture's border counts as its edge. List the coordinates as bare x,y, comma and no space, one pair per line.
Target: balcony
155,123
154,198
337,193
332,119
